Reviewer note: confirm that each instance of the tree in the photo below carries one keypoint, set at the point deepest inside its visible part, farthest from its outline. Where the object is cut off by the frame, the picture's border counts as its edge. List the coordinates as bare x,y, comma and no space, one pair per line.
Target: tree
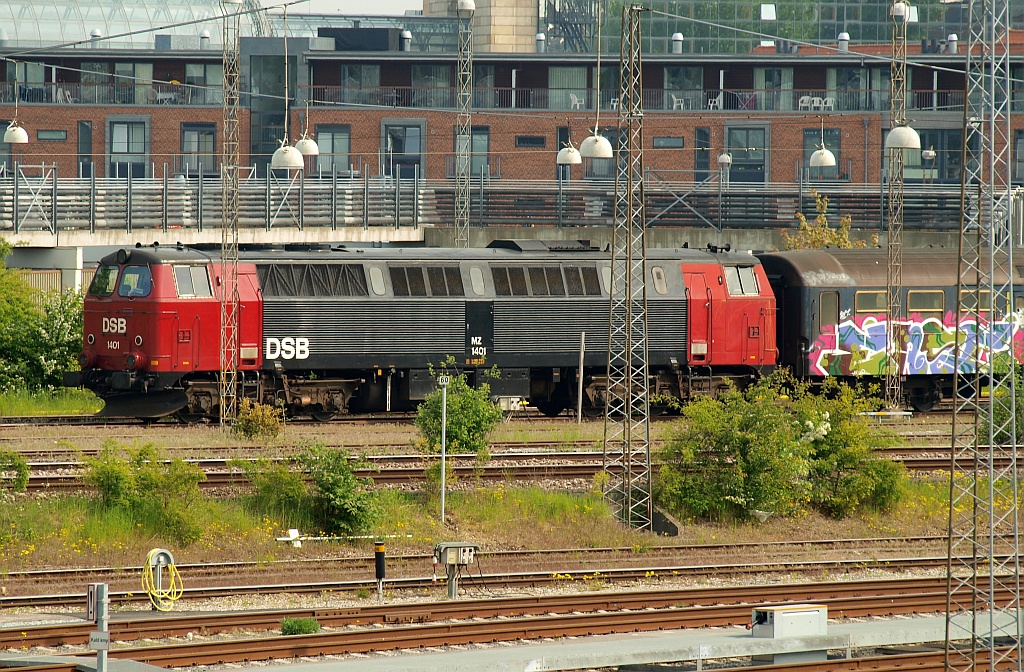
817,233
471,414
18,318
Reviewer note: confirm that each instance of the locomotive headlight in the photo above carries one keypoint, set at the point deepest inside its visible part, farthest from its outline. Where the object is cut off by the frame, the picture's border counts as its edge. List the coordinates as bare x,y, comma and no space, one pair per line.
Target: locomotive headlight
138,340
91,339
135,360
86,358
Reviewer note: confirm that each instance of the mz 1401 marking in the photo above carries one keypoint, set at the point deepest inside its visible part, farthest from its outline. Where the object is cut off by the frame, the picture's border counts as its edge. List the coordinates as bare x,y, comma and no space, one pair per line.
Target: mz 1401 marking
287,348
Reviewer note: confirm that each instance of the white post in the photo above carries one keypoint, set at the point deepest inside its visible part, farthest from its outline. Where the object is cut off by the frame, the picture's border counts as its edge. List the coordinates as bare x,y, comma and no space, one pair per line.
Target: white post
443,382
579,381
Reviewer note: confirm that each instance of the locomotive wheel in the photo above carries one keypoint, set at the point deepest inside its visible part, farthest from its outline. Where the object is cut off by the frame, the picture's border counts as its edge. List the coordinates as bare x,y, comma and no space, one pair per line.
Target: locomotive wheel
190,418
551,409
323,416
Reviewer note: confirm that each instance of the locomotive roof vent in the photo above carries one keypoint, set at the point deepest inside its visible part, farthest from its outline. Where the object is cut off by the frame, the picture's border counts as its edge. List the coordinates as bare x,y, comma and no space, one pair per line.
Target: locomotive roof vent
307,247
535,245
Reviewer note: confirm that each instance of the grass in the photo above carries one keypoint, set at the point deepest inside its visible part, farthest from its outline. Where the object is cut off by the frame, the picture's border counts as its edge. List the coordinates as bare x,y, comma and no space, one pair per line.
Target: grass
56,402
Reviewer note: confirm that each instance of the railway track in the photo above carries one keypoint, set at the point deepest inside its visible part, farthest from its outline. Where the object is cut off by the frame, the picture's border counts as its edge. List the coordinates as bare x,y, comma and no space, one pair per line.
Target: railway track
26,583
413,625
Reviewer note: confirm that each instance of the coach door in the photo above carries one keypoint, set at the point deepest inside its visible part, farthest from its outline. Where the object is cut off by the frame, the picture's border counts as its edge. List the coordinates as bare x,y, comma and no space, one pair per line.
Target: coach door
699,301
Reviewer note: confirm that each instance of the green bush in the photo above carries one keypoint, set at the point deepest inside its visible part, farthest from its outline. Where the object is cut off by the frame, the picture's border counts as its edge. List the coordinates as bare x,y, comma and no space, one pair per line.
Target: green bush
778,448
257,420
299,626
159,493
278,488
471,415
16,466
432,474
341,500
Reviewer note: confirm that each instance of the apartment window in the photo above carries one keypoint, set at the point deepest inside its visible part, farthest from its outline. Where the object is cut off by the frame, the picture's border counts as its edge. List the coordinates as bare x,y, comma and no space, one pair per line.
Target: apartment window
133,84
51,136
431,85
479,149
128,148
747,145
198,149
360,84
567,87
95,83
85,149
205,83
335,142
531,141
668,143
701,154
402,147
812,142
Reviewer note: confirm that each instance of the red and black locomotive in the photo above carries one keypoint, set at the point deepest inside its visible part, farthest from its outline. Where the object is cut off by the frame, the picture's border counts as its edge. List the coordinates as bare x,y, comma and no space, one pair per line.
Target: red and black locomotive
327,330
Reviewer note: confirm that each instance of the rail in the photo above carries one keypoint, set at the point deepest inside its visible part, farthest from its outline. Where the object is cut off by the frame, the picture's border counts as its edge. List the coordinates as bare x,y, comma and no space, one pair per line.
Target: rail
35,199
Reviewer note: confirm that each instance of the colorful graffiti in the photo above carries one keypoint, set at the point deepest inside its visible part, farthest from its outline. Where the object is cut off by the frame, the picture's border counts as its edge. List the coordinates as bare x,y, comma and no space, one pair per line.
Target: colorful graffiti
926,345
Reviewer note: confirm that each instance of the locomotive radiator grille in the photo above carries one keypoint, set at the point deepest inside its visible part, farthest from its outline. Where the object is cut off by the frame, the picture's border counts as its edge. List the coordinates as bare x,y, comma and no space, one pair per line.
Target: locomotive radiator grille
360,327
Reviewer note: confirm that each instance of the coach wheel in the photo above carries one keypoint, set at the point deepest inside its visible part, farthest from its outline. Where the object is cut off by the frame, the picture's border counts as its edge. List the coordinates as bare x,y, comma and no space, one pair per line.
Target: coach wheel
323,416
924,401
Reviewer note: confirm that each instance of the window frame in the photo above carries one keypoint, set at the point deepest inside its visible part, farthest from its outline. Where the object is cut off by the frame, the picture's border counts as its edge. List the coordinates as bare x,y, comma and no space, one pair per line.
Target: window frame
914,293
834,324
147,275
869,292
113,286
192,280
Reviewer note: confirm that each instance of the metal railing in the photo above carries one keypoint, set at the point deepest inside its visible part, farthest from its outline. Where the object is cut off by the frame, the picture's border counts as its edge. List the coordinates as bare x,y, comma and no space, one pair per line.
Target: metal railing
72,93
35,199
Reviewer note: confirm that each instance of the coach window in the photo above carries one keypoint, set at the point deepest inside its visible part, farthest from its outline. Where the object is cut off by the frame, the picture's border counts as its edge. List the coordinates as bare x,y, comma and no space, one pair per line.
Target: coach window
969,300
103,281
741,280
476,278
377,281
828,311
660,281
136,281
870,302
927,302
192,282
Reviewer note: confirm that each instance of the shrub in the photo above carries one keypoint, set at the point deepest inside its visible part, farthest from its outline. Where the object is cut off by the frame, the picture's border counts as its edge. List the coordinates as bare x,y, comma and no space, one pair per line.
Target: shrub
257,420
433,477
471,415
299,626
278,489
15,464
777,448
160,494
341,500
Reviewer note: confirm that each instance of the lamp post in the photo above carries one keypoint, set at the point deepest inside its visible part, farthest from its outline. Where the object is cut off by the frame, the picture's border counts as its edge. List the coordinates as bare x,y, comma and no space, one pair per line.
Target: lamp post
567,156
929,155
724,166
443,381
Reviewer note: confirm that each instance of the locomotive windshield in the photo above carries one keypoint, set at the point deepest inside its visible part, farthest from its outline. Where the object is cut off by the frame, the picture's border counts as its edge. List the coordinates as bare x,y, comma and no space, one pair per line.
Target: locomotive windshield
136,281
104,281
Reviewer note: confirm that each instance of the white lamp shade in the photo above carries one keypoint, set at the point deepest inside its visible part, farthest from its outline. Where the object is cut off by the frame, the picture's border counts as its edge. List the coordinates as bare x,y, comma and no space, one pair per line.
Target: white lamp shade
569,156
288,157
596,147
15,135
466,6
822,158
307,146
903,137
928,154
899,10
725,159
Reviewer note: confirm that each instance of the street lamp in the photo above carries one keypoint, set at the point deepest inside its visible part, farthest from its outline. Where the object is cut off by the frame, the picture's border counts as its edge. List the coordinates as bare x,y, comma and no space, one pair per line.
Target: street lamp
596,146
822,157
567,156
929,155
15,134
724,166
286,157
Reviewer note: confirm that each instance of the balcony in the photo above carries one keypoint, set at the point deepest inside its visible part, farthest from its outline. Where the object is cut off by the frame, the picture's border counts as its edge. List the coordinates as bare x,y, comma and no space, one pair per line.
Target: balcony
666,100
64,93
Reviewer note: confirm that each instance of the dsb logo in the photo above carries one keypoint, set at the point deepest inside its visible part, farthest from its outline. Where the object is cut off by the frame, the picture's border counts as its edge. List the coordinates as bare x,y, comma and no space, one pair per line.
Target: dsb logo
114,325
287,348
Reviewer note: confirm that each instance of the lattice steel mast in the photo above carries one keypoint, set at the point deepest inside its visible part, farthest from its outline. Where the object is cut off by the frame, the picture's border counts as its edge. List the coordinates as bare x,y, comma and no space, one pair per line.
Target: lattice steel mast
627,440
898,14
463,126
983,579
229,217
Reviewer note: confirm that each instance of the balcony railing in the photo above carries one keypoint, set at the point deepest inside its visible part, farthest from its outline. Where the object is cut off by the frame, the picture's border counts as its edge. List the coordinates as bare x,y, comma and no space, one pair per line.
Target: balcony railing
111,94
668,100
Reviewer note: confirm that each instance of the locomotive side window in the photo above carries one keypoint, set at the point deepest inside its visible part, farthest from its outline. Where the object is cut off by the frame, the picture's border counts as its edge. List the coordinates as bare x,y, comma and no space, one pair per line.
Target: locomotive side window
104,281
377,281
582,281
969,300
445,281
192,282
828,311
741,281
439,281
476,277
926,301
660,281
136,281
870,302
